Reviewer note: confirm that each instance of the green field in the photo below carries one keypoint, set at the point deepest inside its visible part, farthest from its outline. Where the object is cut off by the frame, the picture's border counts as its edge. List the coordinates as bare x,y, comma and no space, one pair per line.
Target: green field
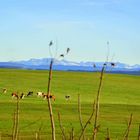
120,96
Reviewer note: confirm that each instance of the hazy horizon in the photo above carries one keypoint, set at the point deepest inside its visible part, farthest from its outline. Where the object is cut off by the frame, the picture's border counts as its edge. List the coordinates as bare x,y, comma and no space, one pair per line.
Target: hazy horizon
68,61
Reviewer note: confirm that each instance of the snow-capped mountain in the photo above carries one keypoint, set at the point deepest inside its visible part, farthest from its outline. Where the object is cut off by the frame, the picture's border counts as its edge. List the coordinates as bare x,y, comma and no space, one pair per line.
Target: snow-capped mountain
68,65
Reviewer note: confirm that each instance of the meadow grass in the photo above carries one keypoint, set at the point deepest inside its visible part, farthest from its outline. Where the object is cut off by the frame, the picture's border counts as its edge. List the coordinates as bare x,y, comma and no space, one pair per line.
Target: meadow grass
119,98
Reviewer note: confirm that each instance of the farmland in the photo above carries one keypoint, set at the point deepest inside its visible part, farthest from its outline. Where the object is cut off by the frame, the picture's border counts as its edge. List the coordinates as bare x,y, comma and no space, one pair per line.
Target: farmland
120,96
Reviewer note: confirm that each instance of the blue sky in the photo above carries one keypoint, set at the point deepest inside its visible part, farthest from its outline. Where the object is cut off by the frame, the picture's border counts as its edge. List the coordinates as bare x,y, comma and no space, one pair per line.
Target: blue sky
85,26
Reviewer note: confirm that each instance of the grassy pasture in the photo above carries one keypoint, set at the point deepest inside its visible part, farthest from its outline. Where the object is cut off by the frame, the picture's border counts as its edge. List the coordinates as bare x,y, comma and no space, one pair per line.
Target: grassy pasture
120,96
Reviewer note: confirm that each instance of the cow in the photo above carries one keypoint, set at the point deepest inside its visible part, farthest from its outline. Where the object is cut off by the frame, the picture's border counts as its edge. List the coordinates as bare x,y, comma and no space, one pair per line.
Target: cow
67,97
30,93
46,96
14,95
40,94
22,96
4,90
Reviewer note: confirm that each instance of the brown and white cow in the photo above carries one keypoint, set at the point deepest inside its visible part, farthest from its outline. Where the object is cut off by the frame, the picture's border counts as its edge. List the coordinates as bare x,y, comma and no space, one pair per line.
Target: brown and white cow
14,95
46,96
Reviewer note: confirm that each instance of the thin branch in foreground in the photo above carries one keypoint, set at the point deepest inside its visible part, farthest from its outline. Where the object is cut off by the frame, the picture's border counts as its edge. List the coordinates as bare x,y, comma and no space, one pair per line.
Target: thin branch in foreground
88,121
72,133
61,127
15,129
79,110
30,124
139,133
126,135
95,130
0,136
49,89
80,116
108,135
37,134
49,101
17,120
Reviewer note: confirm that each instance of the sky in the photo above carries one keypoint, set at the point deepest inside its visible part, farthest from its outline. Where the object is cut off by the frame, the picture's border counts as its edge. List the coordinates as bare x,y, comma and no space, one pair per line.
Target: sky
85,26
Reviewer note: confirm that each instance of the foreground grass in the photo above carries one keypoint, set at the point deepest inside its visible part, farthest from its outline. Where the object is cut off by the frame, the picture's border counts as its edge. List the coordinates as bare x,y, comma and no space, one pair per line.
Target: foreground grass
119,98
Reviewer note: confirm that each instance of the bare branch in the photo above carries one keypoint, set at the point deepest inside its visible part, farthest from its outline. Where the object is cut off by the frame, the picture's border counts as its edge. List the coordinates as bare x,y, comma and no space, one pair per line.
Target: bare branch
139,133
95,130
72,133
16,121
51,43
80,116
0,136
126,135
68,49
37,134
108,135
61,127
49,101
79,111
88,122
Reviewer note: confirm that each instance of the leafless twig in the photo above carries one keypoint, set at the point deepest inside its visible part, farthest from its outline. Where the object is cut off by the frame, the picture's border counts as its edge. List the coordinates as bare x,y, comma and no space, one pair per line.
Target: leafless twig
108,135
49,101
79,111
88,121
126,135
0,136
13,130
72,134
38,137
95,130
139,133
61,127
16,121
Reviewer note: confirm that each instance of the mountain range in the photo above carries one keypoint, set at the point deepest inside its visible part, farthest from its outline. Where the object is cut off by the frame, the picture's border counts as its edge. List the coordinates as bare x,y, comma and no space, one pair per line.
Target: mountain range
43,64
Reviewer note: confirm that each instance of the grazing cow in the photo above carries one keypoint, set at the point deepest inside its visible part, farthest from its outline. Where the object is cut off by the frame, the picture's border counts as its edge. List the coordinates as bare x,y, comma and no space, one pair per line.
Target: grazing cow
4,90
14,95
46,96
22,96
67,97
30,93
40,94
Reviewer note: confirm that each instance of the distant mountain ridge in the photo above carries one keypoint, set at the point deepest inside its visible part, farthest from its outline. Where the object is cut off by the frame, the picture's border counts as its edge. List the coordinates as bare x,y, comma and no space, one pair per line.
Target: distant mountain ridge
43,64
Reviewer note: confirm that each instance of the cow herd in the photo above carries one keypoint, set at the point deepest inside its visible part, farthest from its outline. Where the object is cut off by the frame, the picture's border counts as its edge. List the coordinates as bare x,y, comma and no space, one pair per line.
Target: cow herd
16,95
30,93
